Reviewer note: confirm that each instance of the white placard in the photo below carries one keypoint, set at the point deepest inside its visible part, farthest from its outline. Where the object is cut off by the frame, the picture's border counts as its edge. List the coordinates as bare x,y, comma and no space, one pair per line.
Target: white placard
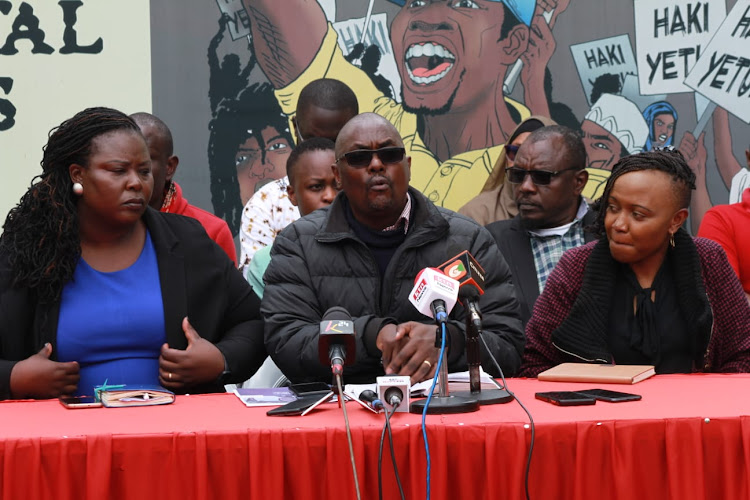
722,74
593,59
671,35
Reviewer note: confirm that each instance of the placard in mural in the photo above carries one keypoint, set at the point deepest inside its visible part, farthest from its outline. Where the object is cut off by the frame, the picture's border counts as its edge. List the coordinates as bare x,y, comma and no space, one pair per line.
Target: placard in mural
671,35
722,74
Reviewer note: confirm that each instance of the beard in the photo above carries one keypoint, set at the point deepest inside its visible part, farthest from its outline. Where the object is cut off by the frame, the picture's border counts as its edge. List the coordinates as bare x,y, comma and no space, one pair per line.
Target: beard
423,110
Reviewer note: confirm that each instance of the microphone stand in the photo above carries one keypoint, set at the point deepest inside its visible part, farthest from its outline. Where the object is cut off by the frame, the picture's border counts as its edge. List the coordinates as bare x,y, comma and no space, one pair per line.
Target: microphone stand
473,330
445,403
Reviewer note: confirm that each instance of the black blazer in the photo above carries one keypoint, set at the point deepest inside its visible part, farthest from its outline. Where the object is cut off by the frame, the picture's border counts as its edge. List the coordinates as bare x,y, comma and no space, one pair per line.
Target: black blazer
515,245
197,280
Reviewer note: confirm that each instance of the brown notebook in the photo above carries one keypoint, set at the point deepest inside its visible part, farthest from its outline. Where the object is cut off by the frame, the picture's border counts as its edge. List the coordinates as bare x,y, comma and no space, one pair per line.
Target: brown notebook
602,374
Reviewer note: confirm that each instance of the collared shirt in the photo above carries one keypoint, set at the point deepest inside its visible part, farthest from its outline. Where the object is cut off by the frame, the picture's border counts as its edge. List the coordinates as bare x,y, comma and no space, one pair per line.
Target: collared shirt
549,244
265,215
403,217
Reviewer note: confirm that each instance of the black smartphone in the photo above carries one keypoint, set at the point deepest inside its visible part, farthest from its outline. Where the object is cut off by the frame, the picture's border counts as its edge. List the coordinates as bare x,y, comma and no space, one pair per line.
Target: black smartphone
79,402
565,398
610,396
295,407
310,388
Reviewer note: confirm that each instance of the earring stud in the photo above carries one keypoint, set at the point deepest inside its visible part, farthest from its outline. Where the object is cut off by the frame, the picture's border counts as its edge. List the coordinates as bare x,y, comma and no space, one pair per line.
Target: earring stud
78,188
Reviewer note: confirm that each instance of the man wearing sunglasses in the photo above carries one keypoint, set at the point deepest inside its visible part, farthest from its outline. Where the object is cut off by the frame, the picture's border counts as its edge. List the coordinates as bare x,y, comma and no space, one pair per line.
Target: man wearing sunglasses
363,253
548,178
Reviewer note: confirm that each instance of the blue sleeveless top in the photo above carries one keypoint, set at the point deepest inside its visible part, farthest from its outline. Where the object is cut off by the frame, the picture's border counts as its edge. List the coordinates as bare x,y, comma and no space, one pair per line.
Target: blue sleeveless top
113,323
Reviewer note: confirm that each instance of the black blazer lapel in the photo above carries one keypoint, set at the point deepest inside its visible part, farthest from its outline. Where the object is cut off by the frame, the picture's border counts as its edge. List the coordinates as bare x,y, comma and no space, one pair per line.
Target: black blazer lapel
171,275
524,270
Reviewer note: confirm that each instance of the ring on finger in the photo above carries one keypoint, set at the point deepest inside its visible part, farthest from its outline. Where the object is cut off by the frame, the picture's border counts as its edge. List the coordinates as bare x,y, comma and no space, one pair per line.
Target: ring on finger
426,362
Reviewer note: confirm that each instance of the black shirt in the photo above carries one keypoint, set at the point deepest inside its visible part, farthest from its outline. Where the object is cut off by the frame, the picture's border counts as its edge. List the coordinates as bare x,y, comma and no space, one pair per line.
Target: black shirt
649,332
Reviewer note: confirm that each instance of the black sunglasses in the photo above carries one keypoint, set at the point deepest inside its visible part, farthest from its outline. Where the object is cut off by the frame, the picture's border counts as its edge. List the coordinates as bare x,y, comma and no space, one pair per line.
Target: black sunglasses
539,177
511,150
363,157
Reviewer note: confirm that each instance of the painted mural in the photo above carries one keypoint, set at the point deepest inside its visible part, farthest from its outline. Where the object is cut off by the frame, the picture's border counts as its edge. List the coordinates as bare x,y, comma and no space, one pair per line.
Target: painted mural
454,76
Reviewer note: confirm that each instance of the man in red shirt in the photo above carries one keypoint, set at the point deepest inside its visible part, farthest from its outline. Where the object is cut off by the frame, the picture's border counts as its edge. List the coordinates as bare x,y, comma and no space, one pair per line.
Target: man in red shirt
728,226
167,194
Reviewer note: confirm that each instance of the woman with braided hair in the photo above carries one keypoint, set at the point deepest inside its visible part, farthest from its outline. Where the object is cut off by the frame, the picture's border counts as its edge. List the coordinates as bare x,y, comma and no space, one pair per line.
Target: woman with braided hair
96,286
646,292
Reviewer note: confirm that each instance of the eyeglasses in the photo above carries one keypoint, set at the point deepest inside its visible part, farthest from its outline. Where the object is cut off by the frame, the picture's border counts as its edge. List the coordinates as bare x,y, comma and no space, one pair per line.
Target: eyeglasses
539,177
511,150
363,157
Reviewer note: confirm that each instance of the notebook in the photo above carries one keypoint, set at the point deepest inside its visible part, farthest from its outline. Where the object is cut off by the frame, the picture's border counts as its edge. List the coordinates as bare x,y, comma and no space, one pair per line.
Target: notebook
599,373
130,395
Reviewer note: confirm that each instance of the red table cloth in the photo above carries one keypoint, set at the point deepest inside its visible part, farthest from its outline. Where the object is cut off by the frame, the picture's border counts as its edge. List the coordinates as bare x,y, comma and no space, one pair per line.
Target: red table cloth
687,438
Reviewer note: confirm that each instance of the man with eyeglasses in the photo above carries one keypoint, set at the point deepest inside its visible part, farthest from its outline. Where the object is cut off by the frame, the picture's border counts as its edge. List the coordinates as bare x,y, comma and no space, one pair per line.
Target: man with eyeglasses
548,178
363,253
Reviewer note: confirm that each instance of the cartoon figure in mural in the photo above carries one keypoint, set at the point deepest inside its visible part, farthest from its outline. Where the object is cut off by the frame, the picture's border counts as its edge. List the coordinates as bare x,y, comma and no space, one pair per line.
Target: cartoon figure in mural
736,178
248,147
447,78
612,129
226,80
368,60
661,118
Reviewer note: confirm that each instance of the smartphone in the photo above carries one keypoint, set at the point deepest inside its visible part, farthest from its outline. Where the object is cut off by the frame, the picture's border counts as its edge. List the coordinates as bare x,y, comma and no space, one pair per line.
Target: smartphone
566,398
310,388
79,402
610,396
297,407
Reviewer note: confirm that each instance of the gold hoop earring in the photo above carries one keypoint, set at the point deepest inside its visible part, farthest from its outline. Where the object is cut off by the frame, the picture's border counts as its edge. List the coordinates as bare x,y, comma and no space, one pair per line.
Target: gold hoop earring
671,239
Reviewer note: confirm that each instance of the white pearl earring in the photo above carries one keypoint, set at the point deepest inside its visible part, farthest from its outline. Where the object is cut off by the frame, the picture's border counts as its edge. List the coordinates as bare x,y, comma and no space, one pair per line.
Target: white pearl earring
78,188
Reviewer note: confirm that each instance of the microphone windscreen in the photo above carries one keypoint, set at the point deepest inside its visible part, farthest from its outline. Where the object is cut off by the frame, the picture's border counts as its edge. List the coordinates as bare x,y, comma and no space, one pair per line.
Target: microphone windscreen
336,312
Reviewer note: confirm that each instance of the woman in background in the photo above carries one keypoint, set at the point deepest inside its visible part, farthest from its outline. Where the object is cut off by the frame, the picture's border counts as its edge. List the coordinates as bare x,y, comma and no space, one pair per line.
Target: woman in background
95,285
646,293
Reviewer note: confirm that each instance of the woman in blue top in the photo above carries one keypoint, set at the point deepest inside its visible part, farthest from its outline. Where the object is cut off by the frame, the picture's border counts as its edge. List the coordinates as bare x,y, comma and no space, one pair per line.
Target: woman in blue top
96,286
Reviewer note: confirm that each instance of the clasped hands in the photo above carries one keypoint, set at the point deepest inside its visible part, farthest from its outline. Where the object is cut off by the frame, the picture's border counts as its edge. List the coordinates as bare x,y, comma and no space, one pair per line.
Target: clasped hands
409,349
40,377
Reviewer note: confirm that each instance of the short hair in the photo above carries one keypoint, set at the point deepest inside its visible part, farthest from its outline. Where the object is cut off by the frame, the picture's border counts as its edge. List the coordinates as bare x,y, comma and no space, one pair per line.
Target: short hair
510,20
306,146
327,93
144,119
574,150
669,161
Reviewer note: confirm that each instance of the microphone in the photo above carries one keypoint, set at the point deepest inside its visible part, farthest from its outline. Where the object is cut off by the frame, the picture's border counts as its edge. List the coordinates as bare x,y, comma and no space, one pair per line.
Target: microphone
434,294
370,398
466,270
336,343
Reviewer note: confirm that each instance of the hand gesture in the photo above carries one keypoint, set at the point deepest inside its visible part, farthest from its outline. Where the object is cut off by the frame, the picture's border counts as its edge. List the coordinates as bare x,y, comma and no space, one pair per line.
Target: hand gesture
39,377
694,151
200,362
409,349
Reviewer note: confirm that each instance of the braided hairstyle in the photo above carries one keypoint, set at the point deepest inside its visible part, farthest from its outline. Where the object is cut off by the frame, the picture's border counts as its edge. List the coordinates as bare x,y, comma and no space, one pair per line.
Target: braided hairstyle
40,235
668,160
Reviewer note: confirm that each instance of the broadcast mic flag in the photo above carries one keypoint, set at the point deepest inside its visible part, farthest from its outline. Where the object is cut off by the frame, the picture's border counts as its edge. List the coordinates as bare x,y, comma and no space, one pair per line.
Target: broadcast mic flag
465,269
336,343
434,294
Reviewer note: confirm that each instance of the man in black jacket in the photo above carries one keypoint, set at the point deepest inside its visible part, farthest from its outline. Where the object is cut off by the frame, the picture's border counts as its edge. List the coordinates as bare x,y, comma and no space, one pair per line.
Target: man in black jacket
547,178
362,253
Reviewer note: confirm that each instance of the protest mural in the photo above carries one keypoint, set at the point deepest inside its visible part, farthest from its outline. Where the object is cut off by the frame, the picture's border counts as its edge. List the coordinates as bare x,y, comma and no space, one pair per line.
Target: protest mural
722,74
603,58
671,36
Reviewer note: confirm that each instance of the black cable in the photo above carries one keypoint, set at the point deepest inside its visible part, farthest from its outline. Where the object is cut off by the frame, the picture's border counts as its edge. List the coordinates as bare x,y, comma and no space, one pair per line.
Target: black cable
380,460
387,426
342,401
393,453
531,420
